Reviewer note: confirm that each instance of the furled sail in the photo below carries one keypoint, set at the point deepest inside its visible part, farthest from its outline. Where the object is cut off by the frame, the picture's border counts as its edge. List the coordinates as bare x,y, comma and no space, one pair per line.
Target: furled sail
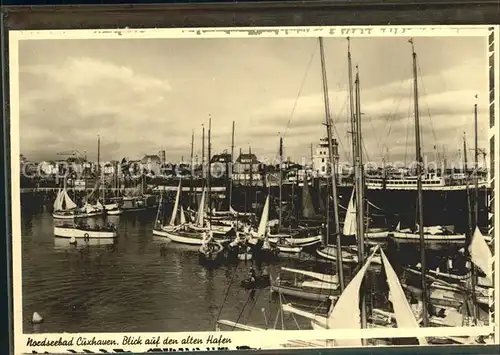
346,313
58,201
263,219
404,315
481,254
176,205
314,275
183,216
307,202
350,217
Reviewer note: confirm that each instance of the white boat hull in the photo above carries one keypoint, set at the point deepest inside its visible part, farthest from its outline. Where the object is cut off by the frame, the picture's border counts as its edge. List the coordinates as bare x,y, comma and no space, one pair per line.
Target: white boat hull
195,239
114,212
289,250
377,234
76,215
68,232
295,241
348,257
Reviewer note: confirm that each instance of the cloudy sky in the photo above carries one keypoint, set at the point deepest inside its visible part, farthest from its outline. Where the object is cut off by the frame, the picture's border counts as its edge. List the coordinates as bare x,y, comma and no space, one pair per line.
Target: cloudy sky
143,95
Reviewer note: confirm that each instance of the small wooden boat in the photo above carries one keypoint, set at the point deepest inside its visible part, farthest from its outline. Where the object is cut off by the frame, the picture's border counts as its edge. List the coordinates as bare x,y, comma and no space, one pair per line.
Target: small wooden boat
210,252
295,240
349,255
321,288
435,234
65,208
85,232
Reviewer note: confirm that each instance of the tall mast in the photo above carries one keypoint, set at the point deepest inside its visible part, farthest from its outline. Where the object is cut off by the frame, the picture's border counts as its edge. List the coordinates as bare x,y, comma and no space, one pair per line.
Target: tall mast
352,108
358,171
251,165
328,123
230,170
281,181
470,228
209,176
203,154
419,187
476,168
192,166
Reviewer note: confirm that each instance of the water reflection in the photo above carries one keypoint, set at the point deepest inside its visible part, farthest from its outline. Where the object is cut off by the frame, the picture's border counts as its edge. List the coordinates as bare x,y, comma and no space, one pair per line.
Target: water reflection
78,243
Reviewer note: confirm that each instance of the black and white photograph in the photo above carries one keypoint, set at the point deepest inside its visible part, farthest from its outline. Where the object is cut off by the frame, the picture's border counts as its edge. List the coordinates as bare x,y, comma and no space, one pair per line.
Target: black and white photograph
315,180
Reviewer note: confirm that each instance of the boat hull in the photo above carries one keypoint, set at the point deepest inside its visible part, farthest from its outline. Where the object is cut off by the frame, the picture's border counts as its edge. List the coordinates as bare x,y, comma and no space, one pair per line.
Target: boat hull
299,293
184,238
436,238
114,212
76,215
68,232
295,241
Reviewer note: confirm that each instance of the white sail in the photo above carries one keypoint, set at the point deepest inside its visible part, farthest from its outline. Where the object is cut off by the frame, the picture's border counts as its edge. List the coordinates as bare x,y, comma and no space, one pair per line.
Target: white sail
201,210
183,216
58,202
346,313
481,254
350,217
404,315
176,205
68,201
99,205
263,219
315,275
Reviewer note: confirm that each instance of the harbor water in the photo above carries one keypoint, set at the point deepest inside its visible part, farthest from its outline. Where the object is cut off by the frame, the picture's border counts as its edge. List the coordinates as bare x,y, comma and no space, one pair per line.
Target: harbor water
143,283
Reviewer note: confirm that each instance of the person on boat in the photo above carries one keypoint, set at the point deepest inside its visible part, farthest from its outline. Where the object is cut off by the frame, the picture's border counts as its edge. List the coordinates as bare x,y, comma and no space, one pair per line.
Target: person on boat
204,241
232,232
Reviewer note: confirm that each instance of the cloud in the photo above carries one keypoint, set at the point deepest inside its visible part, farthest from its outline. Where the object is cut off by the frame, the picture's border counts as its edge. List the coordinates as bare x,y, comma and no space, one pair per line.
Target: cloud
145,95
84,97
446,101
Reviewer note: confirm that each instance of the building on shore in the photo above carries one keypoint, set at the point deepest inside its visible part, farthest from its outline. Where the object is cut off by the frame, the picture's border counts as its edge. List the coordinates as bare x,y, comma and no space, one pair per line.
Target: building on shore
152,163
247,169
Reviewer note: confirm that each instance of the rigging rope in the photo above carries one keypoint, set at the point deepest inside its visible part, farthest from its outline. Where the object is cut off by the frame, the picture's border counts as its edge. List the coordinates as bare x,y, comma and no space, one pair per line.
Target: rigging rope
408,125
298,94
242,310
392,117
428,109
257,293
339,140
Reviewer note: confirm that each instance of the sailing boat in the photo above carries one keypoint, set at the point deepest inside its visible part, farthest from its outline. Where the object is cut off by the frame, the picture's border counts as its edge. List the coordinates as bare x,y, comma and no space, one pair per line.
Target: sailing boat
160,229
66,208
113,207
354,224
350,223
